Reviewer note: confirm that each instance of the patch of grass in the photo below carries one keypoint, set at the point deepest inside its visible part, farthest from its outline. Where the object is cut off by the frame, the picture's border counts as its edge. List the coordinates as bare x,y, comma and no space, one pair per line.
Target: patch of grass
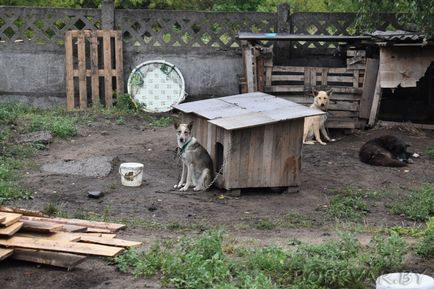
425,247
430,153
203,263
62,126
417,205
294,220
12,159
157,120
347,206
265,224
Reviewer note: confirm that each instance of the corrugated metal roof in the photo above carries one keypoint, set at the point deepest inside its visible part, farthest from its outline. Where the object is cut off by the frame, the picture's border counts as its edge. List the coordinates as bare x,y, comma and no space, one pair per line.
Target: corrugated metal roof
247,110
397,36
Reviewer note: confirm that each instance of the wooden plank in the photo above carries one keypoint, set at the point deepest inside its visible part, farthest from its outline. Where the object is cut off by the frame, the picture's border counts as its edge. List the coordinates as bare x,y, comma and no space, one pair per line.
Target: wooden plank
61,246
268,71
119,62
109,241
10,219
340,70
248,66
231,147
42,227
108,89
260,73
89,72
81,50
4,253
102,235
356,78
57,259
58,236
284,88
294,69
243,165
10,230
98,230
70,103
324,76
255,157
22,211
94,68
375,103
344,79
111,227
286,77
369,84
73,228
2,218
267,153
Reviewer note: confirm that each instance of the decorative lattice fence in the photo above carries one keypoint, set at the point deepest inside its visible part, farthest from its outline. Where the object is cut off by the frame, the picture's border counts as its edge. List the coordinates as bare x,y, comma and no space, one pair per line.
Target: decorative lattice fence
146,29
44,26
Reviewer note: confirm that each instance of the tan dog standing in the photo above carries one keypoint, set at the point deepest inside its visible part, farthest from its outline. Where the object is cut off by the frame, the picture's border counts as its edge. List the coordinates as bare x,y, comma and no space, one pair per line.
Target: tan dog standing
314,124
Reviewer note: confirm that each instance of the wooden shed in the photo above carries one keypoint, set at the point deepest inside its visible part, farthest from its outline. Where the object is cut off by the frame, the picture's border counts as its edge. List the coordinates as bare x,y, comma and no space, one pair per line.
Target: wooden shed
254,139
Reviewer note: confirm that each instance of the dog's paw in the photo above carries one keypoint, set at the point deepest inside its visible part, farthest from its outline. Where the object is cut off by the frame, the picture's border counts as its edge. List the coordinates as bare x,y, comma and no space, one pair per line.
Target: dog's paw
183,189
175,186
196,189
415,155
333,139
309,142
323,143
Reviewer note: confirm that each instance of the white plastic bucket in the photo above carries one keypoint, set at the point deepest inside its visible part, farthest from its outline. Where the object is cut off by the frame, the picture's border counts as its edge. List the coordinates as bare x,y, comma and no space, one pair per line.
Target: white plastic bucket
131,174
404,281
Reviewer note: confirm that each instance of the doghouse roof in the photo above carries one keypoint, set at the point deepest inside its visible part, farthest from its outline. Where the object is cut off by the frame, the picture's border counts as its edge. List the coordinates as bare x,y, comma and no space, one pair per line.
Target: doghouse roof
247,110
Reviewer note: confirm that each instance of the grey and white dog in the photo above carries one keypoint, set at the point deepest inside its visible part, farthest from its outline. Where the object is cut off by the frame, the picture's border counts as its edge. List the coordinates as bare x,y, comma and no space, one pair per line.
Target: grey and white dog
197,168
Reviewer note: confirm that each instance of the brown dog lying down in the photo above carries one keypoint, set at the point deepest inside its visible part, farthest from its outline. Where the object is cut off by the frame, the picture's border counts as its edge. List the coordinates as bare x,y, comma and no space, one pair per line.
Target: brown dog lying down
386,151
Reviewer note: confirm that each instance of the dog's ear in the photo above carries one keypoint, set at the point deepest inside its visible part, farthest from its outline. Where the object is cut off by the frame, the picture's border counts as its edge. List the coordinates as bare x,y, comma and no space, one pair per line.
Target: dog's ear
190,125
314,92
176,124
329,92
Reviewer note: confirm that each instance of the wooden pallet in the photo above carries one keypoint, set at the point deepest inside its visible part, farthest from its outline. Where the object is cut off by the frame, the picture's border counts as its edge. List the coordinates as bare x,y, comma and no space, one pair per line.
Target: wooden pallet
295,83
92,56
30,236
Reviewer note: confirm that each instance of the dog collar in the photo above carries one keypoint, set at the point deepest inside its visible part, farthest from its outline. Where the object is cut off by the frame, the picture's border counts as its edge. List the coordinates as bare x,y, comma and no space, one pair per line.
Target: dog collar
184,147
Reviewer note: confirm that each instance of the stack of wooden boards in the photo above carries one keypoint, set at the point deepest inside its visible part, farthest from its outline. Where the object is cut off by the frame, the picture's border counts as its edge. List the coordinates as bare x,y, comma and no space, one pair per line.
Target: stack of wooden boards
35,237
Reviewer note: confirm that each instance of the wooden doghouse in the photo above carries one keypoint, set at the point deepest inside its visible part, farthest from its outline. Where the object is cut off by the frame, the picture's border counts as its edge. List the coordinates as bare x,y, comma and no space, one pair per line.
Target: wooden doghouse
254,139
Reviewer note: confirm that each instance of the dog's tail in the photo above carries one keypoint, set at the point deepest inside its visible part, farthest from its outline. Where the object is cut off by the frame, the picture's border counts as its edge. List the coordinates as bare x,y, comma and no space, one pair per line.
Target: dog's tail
383,160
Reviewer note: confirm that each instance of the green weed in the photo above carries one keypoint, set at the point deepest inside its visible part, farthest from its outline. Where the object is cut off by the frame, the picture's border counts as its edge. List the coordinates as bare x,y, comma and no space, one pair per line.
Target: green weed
425,247
157,121
430,153
202,263
347,206
264,224
294,220
417,205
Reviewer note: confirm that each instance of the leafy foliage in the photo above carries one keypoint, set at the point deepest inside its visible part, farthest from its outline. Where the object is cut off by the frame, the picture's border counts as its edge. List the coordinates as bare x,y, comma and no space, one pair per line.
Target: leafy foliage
202,263
417,205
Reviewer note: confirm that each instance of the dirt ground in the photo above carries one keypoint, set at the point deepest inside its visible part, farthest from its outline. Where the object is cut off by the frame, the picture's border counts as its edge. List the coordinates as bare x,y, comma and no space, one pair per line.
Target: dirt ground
155,211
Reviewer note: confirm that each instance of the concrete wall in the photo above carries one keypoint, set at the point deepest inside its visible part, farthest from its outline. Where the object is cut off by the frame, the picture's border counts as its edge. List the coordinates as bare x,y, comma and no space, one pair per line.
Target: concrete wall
39,77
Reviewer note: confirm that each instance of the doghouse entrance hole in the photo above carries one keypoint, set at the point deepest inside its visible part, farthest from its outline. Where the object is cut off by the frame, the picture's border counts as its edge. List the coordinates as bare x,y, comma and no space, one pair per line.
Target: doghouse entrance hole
415,104
218,156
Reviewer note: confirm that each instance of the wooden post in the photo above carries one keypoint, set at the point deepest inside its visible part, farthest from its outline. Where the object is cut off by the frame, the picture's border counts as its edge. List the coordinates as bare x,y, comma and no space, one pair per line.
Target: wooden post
375,102
248,65
107,15
282,51
70,101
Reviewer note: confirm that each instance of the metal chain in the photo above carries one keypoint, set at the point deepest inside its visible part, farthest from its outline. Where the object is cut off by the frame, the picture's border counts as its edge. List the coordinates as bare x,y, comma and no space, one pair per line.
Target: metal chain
216,174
